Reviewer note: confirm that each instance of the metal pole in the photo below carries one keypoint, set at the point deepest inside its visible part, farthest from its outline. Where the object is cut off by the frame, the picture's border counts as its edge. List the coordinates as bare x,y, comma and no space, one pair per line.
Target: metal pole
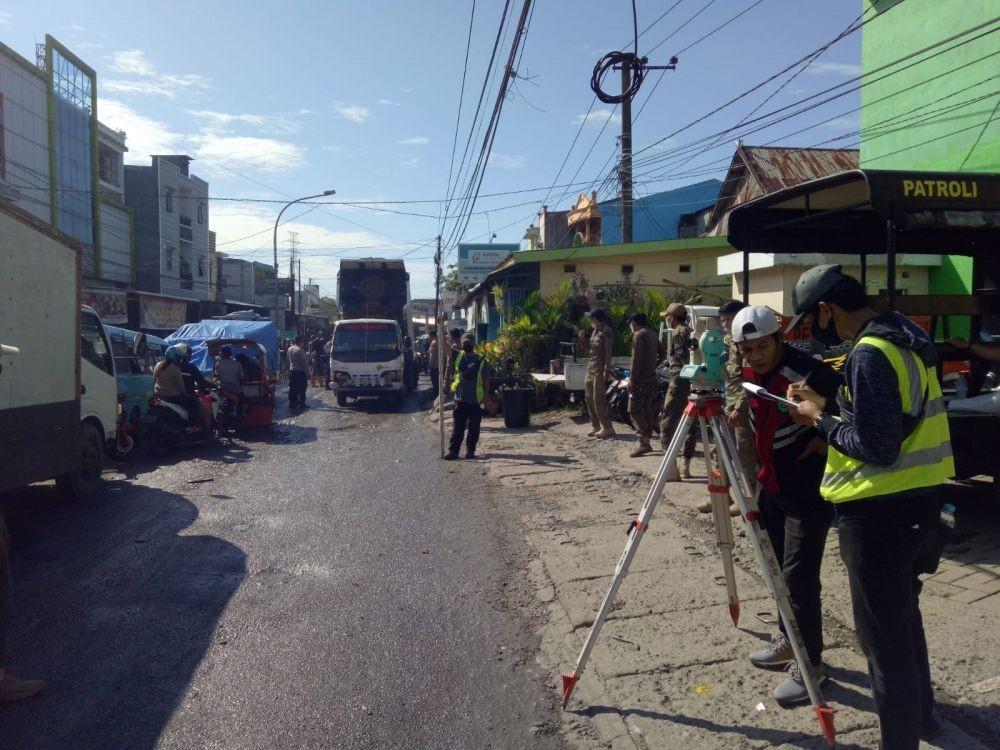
440,343
274,240
890,264
625,170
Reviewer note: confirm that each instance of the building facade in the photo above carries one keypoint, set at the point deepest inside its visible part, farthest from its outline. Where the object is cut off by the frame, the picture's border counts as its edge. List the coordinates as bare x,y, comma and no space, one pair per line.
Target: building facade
171,228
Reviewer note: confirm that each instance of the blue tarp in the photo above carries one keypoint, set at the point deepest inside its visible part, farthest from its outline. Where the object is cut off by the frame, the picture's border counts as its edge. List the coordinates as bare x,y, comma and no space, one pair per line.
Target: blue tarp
196,334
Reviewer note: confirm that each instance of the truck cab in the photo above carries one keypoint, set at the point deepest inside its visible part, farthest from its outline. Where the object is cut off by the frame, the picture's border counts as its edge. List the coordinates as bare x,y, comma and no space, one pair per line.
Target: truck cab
366,360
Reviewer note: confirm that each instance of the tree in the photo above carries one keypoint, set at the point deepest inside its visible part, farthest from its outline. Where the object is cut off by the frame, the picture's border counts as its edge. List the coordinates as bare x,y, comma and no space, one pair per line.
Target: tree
329,308
450,282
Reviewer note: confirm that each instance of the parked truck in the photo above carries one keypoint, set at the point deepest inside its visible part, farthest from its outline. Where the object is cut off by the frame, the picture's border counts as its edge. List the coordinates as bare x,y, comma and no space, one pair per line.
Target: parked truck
58,396
373,288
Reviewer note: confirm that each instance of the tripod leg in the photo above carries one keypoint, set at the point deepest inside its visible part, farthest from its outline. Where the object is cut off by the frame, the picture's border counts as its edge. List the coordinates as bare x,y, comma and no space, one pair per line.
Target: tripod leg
718,492
773,576
636,532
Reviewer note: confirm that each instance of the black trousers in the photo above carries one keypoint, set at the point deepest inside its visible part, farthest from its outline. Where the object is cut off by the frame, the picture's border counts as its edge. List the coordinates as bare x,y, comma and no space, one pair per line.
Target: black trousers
435,382
297,381
798,528
466,416
883,542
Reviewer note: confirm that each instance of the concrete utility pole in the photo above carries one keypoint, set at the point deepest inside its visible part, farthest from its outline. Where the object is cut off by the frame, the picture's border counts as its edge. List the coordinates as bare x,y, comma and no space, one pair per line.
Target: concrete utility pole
439,324
625,168
293,240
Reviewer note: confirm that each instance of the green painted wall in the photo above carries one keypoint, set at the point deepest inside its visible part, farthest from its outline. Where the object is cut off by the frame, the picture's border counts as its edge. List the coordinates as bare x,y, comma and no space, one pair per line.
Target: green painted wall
941,114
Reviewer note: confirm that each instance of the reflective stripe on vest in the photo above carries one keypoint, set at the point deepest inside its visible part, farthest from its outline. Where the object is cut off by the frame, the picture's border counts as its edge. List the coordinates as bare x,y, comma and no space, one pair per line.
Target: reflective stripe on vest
480,391
924,459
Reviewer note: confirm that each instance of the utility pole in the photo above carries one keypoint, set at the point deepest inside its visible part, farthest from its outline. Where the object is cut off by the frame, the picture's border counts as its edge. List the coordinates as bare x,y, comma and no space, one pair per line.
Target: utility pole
625,168
302,305
439,324
293,240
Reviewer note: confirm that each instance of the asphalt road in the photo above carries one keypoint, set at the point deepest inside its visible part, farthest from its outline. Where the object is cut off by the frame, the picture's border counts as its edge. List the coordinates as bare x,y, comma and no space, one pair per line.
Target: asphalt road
330,585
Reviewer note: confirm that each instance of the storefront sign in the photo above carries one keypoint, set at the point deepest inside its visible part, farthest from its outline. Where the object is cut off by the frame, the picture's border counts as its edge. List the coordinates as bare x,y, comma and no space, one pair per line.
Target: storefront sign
475,261
161,313
111,306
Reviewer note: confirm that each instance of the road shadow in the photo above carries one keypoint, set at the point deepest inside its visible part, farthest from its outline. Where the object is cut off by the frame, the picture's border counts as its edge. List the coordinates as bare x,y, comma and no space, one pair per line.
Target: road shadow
114,607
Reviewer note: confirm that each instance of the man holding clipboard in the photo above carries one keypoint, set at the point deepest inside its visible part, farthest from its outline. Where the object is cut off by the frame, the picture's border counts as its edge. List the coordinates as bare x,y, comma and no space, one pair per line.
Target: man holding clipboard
790,458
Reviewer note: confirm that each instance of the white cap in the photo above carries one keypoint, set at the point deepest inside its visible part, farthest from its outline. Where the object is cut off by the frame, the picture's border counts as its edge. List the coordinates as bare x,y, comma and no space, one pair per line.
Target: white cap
754,322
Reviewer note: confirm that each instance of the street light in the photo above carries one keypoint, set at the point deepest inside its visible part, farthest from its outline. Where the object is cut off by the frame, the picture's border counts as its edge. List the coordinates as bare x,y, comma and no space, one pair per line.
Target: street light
278,221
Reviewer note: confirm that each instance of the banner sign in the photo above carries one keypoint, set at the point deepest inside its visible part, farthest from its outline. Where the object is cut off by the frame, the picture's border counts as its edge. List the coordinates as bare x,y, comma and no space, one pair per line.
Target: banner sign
161,313
477,260
110,305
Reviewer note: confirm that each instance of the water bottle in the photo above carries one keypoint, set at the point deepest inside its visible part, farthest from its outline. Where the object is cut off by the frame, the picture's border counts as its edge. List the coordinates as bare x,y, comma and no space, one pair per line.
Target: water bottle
961,387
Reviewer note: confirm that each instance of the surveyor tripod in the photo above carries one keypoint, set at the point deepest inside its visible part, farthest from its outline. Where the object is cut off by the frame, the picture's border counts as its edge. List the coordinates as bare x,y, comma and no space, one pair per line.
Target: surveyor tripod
705,409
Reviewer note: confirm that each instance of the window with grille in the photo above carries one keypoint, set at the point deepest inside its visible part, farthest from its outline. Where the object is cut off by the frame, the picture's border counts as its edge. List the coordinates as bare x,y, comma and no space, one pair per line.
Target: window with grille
569,268
684,268
627,270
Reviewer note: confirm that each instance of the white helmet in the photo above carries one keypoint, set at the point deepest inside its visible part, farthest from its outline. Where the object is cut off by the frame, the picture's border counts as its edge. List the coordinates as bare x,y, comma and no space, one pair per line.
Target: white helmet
754,322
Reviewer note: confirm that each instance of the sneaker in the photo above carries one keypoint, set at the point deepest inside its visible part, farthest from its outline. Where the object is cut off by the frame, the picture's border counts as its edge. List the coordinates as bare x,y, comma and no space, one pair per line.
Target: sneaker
450,456
641,450
792,691
607,432
470,454
705,507
592,433
776,656
734,511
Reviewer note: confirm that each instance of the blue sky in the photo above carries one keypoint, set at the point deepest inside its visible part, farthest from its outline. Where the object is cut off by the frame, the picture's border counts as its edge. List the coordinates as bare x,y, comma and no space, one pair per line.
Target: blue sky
289,99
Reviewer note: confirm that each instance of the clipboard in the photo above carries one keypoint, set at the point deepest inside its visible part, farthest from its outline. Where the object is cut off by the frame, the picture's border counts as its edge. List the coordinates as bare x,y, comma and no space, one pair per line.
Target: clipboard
761,392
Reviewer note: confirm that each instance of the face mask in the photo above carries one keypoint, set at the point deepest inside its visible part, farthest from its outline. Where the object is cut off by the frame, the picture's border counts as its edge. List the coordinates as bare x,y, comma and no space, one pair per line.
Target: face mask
826,336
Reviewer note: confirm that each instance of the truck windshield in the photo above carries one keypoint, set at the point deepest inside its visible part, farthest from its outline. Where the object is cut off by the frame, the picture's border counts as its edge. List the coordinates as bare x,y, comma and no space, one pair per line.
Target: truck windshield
365,342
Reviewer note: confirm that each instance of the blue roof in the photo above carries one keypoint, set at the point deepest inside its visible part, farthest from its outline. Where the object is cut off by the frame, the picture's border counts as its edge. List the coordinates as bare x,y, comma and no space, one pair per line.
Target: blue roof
655,216
196,334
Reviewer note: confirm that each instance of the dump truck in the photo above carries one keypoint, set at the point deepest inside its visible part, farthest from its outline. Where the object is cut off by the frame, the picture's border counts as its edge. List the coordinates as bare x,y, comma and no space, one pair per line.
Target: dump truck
373,288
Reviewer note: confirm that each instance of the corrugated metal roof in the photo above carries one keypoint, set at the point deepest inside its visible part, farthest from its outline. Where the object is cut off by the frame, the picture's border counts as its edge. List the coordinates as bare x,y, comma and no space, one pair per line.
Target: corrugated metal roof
777,168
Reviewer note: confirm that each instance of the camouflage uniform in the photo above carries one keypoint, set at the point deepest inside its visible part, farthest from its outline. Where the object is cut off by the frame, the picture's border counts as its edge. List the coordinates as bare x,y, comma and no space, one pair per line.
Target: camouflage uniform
736,404
677,393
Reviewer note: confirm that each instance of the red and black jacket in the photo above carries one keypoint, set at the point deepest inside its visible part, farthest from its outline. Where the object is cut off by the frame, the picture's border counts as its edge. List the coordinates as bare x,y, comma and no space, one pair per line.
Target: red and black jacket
778,440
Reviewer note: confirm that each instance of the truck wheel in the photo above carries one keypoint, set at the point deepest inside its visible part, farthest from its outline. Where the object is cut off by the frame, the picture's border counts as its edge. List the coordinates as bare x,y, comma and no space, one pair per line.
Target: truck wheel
341,399
85,480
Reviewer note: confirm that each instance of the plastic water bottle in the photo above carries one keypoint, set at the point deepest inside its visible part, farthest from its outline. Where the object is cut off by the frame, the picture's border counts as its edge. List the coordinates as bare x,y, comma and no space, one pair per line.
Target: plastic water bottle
961,387
948,516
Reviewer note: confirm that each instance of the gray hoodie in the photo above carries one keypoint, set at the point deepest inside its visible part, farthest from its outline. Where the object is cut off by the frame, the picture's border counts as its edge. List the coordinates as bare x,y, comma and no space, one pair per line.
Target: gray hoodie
873,426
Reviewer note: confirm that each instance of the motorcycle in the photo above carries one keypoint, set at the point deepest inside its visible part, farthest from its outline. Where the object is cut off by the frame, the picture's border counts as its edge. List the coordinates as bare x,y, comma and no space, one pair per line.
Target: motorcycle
229,416
171,427
617,395
128,431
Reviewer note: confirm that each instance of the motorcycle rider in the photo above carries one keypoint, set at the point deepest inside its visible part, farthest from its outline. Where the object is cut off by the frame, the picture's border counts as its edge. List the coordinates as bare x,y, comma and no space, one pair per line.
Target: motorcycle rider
168,382
193,381
229,372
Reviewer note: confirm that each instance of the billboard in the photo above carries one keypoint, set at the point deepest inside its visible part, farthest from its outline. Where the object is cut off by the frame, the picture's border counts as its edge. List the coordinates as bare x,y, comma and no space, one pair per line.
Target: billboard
477,260
110,305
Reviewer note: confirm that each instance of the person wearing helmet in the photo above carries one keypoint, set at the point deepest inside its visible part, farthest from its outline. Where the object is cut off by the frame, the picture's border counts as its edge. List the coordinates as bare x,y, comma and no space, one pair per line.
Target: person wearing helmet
791,459
168,381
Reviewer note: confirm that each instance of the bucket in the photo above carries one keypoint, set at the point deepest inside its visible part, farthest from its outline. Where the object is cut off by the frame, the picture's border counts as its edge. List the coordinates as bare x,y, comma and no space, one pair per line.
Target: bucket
516,406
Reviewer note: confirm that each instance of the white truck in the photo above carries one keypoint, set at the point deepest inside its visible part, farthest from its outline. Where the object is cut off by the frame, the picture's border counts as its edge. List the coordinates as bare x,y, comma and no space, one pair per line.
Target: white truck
366,360
58,395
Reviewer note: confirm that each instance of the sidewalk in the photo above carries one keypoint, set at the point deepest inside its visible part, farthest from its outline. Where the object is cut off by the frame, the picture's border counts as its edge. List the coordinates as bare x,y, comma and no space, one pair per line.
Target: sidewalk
670,670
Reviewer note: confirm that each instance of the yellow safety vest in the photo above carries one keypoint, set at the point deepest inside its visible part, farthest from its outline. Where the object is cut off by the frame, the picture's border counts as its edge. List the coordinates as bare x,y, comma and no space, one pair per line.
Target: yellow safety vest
925,458
480,391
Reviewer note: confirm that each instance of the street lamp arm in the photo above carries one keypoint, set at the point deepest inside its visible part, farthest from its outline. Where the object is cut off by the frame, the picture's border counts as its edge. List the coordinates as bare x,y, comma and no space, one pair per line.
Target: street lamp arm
277,221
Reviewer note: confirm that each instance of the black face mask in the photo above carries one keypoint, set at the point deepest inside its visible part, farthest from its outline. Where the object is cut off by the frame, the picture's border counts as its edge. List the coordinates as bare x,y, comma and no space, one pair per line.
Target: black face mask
826,336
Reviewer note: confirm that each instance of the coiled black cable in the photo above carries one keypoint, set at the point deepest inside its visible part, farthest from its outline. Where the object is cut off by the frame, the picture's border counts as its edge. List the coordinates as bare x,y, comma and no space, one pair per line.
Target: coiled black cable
630,60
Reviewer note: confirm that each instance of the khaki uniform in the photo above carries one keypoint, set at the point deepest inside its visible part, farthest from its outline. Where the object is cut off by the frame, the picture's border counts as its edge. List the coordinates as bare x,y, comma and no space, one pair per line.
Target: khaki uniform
678,391
595,387
646,352
736,404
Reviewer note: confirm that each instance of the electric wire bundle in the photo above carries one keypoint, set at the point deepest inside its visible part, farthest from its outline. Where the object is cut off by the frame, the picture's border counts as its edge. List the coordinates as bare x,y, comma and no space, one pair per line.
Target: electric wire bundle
637,70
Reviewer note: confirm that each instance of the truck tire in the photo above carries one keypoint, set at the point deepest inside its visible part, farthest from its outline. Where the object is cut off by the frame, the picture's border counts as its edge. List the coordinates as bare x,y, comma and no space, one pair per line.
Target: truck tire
86,478
341,399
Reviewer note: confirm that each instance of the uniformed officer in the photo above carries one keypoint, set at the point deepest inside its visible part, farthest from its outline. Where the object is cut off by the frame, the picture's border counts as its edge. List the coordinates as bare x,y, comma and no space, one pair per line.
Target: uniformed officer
647,350
678,351
889,453
599,373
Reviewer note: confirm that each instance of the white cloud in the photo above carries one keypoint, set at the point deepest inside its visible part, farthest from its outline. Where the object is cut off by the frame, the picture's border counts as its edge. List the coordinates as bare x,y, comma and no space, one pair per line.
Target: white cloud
598,116
388,103
352,112
417,140
306,111
848,70
132,62
219,122
6,17
410,162
144,135
265,154
503,161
